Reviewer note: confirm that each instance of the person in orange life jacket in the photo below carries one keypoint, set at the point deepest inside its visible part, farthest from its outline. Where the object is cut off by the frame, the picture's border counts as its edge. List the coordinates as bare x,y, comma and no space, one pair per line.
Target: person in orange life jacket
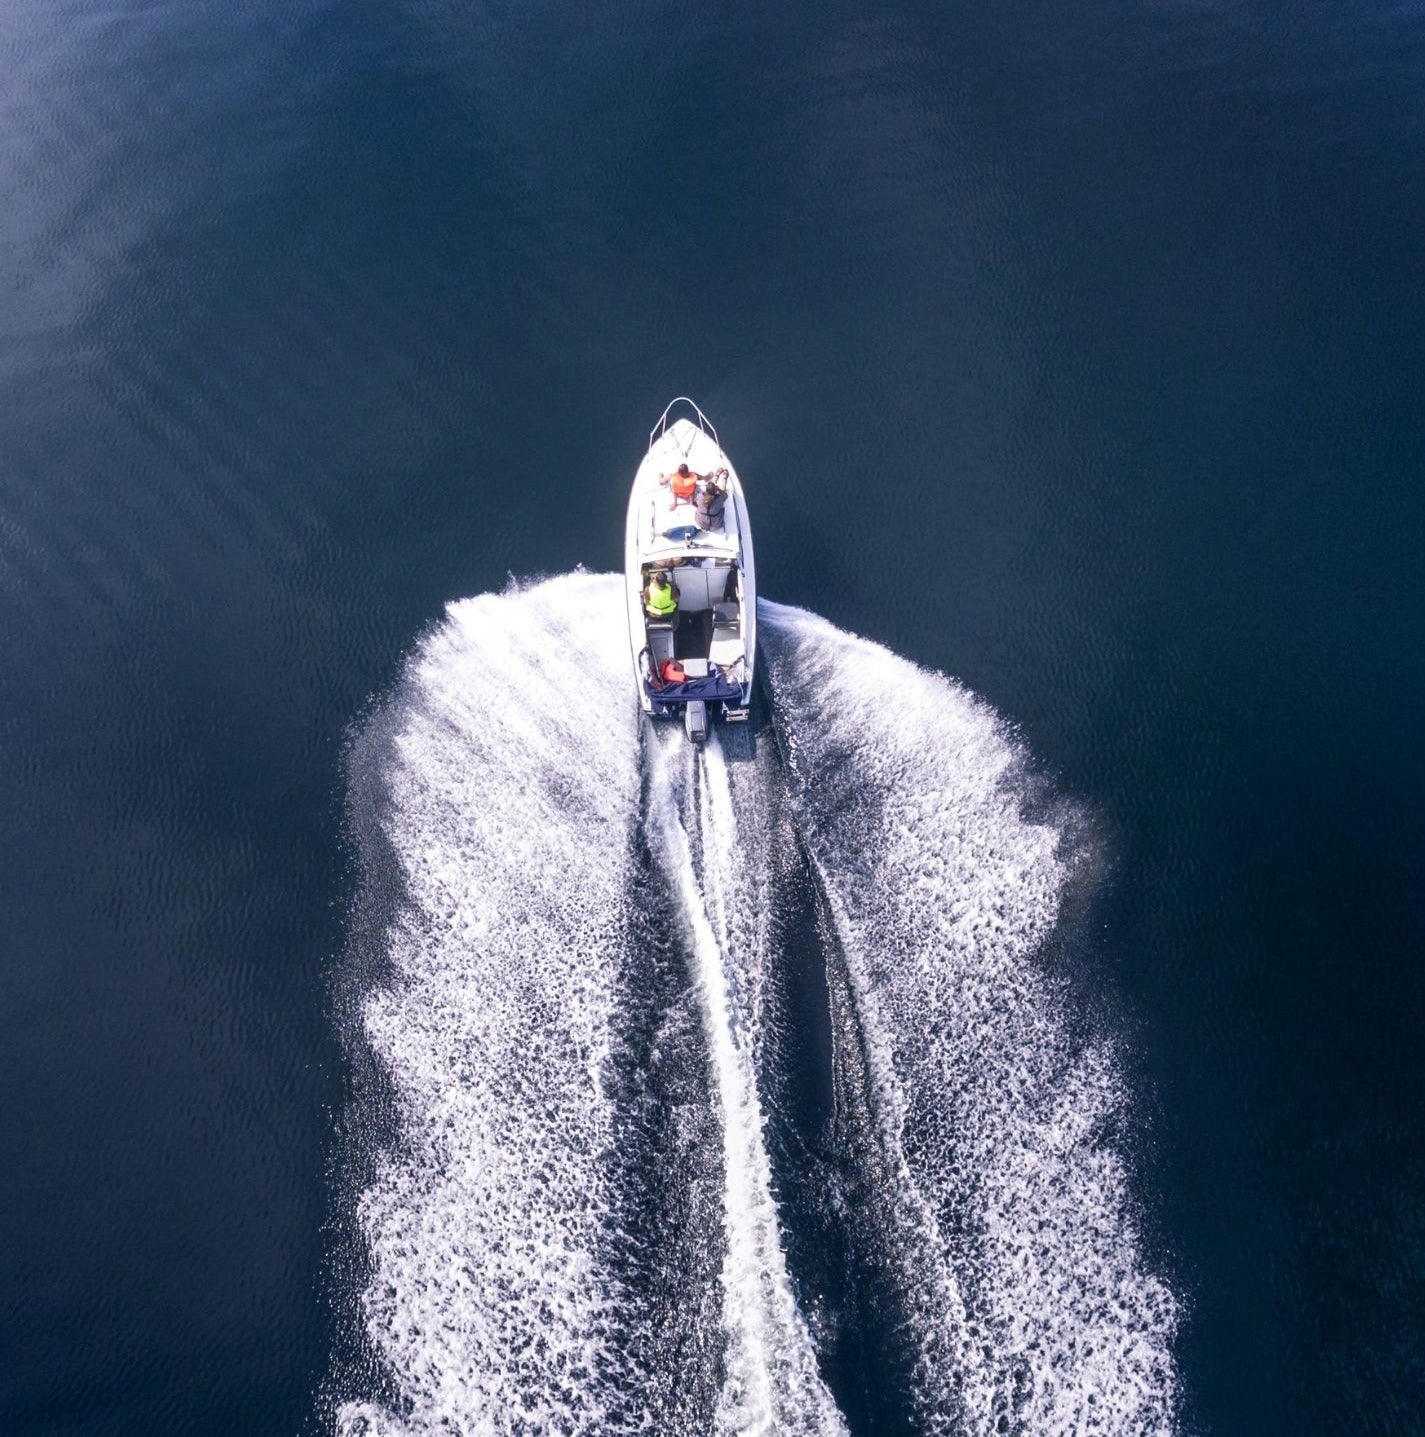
660,598
710,501
681,483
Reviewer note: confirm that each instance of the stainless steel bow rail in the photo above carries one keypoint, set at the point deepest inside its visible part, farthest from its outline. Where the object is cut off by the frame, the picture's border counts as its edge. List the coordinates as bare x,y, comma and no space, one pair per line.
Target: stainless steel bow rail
704,423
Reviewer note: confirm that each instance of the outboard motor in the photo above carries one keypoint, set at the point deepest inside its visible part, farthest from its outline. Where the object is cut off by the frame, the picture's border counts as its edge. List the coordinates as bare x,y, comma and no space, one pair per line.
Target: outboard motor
695,720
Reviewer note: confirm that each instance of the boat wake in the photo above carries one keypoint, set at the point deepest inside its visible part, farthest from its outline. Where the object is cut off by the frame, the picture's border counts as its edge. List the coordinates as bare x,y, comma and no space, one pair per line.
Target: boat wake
576,1177
771,1382
1005,1214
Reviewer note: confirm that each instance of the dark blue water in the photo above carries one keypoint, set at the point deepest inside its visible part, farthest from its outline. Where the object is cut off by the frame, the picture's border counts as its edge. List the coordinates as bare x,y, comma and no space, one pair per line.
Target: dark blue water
1074,351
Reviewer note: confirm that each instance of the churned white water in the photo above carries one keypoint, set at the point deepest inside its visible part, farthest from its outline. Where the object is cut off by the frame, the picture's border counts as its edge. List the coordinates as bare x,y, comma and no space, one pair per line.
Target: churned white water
491,1301
771,1384
1028,1297
571,1223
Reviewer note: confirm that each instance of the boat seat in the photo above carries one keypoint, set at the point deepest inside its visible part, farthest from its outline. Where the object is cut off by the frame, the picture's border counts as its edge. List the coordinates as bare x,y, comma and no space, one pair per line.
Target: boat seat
699,588
726,647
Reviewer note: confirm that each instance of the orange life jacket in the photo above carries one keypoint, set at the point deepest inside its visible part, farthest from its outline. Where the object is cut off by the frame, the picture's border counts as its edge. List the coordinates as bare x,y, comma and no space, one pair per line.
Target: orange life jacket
683,485
671,672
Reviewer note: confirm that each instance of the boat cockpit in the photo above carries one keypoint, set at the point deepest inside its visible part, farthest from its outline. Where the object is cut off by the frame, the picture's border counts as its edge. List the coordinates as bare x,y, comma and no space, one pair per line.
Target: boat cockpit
704,635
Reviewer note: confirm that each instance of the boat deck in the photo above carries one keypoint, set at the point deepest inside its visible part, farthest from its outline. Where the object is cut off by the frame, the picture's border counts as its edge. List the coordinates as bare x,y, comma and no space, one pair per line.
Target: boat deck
713,634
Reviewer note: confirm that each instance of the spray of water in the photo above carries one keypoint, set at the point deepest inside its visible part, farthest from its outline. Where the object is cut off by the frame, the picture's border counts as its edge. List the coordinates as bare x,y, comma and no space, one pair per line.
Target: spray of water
495,1299
572,1226
771,1384
1027,1302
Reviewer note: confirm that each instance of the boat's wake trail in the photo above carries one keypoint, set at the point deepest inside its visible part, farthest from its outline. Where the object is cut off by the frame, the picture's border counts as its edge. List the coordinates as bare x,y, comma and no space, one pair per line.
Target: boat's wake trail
560,979
771,1383
1004,1210
496,1299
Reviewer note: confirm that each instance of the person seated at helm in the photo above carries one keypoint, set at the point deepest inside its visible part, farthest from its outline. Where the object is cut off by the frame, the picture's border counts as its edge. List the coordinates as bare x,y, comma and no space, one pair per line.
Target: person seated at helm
660,598
710,502
682,483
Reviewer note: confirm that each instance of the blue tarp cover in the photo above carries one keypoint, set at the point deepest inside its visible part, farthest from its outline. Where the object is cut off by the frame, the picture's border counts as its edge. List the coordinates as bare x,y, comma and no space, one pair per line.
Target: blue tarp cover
712,688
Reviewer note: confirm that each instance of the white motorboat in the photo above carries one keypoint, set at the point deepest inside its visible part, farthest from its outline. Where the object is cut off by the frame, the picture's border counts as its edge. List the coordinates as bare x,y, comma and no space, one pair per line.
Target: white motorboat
694,662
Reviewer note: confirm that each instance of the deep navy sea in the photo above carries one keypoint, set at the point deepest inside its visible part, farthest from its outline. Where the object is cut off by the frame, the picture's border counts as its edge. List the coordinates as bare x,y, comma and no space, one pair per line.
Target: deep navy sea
1017,1029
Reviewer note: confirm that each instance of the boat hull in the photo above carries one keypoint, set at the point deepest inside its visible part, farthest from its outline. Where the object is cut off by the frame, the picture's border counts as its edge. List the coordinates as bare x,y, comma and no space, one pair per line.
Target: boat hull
706,654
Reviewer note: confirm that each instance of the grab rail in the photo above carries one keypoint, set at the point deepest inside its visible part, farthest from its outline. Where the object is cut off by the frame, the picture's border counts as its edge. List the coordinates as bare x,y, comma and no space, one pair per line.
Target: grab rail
704,423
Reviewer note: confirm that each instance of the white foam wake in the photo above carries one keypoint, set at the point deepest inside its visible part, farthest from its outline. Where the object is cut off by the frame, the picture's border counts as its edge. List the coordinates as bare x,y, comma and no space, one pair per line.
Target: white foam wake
1027,1296
523,1272
771,1382
493,1303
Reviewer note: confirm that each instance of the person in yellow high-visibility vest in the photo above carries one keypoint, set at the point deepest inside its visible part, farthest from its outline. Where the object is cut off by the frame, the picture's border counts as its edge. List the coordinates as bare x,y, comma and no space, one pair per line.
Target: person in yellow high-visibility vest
660,598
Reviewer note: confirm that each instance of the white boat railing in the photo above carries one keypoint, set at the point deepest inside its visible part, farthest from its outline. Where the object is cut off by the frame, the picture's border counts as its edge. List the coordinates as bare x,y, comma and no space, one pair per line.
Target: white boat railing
661,428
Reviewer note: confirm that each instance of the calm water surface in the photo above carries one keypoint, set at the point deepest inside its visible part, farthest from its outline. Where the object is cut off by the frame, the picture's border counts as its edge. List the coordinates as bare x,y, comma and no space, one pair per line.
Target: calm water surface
1074,351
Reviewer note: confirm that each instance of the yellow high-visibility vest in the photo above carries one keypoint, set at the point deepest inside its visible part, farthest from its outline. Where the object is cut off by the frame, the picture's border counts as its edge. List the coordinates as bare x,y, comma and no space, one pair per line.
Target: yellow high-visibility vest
661,600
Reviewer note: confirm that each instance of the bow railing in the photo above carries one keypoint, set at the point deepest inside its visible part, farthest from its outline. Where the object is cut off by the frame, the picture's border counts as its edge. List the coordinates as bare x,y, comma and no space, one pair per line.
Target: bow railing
661,428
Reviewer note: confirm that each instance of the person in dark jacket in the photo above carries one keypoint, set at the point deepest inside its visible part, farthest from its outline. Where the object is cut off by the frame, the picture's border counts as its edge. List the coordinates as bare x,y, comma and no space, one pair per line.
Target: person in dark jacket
709,502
